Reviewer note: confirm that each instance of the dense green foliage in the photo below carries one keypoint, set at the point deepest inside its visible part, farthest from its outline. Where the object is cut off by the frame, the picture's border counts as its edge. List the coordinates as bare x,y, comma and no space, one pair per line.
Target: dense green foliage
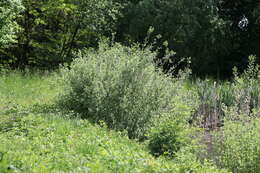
245,41
8,12
106,86
206,31
168,137
53,29
181,23
45,135
242,96
216,34
236,146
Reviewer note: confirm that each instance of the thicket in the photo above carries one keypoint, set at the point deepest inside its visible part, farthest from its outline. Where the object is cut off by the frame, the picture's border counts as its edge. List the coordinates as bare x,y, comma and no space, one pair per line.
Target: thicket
9,10
168,137
125,89
236,146
240,95
207,31
229,112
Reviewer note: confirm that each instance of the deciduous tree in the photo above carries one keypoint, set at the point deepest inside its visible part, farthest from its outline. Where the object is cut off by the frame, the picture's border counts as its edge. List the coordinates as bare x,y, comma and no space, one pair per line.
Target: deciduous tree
8,27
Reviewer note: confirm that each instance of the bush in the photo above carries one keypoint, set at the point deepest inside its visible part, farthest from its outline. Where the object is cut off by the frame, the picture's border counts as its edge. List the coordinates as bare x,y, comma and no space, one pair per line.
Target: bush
117,85
236,146
247,88
167,138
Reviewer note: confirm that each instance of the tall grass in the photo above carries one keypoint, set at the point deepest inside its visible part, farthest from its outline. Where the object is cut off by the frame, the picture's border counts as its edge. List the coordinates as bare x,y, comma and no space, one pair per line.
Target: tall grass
241,94
27,88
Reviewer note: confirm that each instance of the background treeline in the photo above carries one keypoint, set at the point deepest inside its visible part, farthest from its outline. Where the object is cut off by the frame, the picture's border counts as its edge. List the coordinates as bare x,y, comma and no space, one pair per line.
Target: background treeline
45,33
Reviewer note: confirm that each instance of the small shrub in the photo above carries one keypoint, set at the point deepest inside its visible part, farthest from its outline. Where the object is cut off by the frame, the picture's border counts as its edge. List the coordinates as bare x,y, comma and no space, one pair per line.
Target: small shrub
246,88
236,146
117,85
168,137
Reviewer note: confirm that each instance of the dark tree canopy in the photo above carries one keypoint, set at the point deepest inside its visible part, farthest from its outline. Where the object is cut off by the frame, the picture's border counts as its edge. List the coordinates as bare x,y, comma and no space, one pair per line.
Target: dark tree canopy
216,34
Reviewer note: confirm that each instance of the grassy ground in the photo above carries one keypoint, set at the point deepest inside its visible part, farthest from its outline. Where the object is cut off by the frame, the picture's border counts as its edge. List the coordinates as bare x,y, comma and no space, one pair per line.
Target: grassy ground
35,137
26,89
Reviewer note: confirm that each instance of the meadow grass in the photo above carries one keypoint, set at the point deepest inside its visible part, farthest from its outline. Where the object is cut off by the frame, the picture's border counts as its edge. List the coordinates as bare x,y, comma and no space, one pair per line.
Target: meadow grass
27,88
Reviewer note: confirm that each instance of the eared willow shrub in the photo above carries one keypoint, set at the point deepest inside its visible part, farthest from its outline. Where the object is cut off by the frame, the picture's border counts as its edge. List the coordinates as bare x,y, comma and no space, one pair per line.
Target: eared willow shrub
119,86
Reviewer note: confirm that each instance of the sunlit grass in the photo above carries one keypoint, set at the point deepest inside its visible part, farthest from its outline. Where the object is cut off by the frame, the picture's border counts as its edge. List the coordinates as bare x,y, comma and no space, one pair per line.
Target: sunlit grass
27,89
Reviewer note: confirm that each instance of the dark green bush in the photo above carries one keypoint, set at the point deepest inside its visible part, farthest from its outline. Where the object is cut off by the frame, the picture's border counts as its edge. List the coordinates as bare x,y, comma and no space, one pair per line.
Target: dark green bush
169,136
117,85
166,139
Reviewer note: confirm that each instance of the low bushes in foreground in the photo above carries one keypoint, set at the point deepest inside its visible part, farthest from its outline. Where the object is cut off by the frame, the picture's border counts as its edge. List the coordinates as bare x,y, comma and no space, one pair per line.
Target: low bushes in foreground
50,143
169,136
236,146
